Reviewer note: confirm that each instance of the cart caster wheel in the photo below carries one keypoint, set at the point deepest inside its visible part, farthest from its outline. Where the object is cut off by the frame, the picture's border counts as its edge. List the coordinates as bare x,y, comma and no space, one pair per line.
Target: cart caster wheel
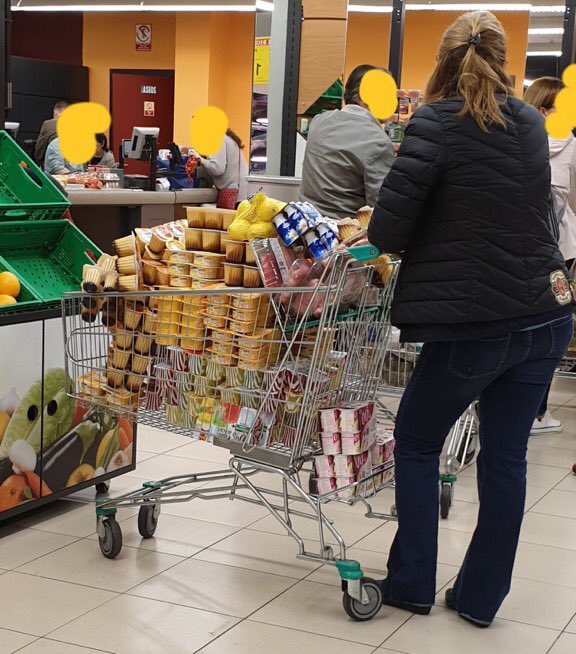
466,456
147,520
394,511
111,542
362,612
103,487
445,499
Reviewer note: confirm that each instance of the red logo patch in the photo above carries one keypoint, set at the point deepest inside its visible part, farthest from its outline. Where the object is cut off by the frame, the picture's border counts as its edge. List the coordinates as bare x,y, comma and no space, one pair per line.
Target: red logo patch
560,287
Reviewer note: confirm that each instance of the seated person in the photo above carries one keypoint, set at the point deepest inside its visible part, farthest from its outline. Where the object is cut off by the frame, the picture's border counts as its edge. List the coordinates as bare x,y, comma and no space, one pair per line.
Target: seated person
102,156
54,162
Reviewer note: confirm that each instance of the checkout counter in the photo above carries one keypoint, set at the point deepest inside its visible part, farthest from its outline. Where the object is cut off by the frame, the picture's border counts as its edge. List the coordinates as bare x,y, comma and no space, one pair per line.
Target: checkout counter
106,215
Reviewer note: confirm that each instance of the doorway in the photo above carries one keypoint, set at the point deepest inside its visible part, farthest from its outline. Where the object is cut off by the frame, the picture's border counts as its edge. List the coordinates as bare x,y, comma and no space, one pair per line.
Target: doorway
141,98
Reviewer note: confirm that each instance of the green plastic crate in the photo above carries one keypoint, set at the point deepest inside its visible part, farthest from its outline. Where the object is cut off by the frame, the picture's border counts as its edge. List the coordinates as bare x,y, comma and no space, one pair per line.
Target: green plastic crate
47,257
26,193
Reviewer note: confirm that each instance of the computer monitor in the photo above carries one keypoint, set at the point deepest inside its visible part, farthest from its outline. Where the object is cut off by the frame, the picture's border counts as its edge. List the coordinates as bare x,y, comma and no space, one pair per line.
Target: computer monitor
139,137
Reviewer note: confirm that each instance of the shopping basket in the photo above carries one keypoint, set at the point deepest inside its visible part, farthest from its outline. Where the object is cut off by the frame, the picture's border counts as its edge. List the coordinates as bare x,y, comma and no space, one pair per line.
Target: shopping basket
248,371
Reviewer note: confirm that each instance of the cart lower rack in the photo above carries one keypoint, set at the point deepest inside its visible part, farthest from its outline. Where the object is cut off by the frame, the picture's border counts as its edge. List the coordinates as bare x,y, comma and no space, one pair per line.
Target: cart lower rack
250,372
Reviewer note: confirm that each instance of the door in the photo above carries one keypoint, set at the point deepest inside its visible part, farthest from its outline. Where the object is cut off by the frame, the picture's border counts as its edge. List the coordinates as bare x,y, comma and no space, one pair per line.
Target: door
141,98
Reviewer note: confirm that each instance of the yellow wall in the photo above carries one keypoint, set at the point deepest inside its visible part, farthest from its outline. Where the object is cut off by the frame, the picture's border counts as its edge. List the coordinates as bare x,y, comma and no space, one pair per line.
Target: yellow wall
369,39
211,54
109,42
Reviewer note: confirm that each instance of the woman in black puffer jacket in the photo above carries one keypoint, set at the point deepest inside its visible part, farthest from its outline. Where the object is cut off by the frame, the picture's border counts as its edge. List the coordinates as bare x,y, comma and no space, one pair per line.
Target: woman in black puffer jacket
484,286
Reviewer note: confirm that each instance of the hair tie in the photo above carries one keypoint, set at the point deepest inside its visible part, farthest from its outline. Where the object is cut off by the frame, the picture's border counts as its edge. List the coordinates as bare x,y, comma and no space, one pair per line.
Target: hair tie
474,39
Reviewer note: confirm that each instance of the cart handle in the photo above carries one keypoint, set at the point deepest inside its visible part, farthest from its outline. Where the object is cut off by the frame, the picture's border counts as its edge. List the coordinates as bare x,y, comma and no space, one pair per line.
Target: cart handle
364,252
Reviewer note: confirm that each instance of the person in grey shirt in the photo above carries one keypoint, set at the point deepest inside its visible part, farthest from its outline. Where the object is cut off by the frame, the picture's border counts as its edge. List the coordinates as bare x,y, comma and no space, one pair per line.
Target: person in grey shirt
348,155
54,162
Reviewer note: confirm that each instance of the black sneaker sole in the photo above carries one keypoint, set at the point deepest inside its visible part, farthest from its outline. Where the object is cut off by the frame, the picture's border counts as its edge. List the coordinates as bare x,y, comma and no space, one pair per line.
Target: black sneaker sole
449,599
406,606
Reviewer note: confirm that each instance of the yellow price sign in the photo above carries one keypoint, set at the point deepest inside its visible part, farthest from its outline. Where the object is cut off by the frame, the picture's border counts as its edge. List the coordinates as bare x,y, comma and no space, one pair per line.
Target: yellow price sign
262,60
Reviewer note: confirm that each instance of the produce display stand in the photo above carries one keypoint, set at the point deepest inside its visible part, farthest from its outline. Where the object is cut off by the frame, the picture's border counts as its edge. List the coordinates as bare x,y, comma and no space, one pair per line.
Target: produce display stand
50,445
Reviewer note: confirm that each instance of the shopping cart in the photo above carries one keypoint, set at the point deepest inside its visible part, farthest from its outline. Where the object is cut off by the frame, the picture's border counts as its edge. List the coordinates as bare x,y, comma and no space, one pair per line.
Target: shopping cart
247,370
399,362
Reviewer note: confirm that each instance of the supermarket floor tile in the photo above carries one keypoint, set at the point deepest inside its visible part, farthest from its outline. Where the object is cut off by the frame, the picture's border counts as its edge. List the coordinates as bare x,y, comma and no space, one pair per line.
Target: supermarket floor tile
135,625
443,632
256,550
12,641
19,545
566,644
45,646
214,587
249,637
222,576
317,608
50,603
82,563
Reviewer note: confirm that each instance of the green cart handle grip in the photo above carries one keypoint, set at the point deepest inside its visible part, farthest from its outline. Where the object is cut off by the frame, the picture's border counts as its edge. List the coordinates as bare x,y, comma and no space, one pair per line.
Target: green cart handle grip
364,252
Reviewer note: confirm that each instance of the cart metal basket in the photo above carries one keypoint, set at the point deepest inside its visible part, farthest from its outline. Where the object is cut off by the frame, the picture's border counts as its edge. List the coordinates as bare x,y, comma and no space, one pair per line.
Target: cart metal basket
248,370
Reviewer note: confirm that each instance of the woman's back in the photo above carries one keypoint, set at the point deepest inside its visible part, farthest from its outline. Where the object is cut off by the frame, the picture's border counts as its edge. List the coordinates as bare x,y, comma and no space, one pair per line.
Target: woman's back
468,208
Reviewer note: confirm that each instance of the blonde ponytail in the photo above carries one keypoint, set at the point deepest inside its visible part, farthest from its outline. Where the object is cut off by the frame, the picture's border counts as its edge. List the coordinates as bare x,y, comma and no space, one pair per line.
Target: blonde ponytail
471,62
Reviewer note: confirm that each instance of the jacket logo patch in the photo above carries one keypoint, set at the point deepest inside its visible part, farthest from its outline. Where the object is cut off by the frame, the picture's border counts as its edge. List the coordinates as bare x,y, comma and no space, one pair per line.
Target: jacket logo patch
560,287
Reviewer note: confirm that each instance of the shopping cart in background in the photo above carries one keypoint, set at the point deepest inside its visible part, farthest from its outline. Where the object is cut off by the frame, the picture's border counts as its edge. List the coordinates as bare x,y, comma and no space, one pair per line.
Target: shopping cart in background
247,371
461,445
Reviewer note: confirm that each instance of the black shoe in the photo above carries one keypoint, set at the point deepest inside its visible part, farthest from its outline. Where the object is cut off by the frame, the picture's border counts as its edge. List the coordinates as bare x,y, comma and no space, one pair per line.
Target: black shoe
419,609
449,599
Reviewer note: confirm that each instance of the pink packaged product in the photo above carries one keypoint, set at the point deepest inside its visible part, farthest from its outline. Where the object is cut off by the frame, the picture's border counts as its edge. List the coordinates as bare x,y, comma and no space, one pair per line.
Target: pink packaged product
331,443
342,483
329,420
354,417
357,442
344,465
326,485
324,466
363,464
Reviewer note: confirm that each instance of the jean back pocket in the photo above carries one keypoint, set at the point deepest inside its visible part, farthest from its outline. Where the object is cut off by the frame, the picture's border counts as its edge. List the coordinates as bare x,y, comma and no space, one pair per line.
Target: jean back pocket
480,358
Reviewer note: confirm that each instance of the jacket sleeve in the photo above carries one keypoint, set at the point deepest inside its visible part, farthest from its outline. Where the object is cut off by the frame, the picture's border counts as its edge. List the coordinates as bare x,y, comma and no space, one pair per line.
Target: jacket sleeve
41,144
403,196
216,164
377,167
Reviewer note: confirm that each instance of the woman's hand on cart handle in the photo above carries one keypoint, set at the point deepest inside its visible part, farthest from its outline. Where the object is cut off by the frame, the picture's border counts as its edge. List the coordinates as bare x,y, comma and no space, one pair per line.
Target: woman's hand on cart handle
364,252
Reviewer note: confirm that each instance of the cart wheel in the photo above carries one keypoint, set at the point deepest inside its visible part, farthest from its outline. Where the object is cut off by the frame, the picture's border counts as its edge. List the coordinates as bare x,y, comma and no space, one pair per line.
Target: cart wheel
111,542
394,511
102,487
445,499
147,520
362,612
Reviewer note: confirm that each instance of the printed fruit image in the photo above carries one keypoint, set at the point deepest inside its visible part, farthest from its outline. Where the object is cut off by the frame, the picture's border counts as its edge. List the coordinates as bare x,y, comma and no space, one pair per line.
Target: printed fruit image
12,492
82,473
4,420
9,284
5,300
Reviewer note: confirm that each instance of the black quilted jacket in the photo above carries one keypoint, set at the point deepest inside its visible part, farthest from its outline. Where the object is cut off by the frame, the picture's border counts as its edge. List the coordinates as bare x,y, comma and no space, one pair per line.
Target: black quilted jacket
468,212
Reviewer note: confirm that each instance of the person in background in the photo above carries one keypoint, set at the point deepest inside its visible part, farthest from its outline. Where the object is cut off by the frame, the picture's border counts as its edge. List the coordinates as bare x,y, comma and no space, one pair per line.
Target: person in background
48,133
54,162
483,284
102,156
348,155
228,170
542,95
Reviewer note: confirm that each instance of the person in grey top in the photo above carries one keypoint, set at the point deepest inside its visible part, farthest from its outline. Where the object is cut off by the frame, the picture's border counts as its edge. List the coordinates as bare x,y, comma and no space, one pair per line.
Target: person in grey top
348,155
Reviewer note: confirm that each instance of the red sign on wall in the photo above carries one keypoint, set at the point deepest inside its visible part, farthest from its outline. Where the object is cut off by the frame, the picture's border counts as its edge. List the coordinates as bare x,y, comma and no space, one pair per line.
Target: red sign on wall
143,38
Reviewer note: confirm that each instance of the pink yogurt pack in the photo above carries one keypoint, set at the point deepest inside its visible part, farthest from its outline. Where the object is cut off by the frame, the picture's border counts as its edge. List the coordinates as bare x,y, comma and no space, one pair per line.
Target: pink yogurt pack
331,442
342,483
363,464
356,416
326,485
330,420
324,466
357,442
344,465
